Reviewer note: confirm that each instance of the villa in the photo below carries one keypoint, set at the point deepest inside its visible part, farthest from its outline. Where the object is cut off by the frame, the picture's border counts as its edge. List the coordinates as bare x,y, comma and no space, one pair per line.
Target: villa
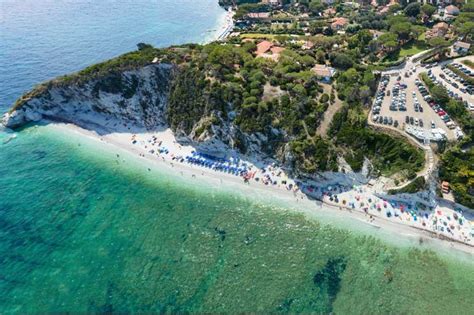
267,49
324,72
376,34
451,10
274,3
339,24
258,15
439,30
461,48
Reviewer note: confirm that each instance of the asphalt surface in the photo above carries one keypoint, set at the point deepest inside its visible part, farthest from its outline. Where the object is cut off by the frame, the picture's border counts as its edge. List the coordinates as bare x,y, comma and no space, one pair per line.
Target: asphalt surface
437,71
428,113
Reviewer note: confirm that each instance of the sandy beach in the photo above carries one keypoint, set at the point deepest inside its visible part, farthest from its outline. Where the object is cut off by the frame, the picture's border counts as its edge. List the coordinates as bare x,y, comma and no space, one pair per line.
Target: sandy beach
168,156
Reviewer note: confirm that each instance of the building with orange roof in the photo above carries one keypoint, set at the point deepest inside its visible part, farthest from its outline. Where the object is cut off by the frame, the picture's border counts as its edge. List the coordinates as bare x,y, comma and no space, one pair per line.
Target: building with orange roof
263,47
339,23
267,49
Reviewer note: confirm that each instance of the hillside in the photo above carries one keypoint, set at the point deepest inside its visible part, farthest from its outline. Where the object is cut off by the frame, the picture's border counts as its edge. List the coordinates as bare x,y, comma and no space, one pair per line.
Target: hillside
217,91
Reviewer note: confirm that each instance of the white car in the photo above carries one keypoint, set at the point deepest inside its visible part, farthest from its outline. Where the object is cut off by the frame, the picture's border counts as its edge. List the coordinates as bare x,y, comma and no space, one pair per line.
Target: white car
471,106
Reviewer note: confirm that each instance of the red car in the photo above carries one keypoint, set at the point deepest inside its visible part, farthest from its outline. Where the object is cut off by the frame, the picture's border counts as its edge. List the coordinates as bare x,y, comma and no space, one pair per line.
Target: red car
441,113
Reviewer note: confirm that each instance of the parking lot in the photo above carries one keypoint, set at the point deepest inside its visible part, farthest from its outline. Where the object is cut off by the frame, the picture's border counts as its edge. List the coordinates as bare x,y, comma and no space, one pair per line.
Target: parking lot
456,85
399,97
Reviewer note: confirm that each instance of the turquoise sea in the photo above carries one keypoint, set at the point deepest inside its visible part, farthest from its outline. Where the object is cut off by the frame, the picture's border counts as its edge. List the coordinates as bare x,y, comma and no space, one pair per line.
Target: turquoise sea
84,230
42,39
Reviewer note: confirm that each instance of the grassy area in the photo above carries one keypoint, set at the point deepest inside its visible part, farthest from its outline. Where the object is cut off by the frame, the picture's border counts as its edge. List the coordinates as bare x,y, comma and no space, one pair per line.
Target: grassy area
417,185
413,48
264,36
456,168
468,63
409,49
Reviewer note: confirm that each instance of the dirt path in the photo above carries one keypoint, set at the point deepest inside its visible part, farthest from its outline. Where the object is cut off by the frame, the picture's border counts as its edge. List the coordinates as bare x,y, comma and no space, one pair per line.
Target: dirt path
329,113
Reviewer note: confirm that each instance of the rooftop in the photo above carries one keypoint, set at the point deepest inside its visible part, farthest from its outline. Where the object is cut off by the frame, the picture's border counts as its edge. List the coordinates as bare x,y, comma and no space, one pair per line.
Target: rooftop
462,45
263,47
258,15
451,9
323,70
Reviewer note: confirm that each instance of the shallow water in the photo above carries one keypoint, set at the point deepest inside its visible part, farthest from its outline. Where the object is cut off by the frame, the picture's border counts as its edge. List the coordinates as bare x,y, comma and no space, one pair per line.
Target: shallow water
84,230
42,39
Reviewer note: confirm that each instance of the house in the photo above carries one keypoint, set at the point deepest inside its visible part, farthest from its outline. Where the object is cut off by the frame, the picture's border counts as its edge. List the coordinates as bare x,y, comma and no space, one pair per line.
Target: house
263,47
451,10
439,30
339,23
376,34
267,49
328,2
273,3
329,12
351,4
258,15
324,72
307,45
461,48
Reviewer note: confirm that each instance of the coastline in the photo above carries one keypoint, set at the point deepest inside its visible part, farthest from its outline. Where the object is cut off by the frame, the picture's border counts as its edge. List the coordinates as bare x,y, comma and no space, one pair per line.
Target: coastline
224,27
297,201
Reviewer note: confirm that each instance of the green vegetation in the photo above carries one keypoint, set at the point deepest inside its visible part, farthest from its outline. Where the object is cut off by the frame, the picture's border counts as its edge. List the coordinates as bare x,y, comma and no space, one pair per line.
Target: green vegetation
225,80
217,84
415,186
261,35
281,102
110,68
413,48
456,167
246,8
468,63
464,22
388,154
